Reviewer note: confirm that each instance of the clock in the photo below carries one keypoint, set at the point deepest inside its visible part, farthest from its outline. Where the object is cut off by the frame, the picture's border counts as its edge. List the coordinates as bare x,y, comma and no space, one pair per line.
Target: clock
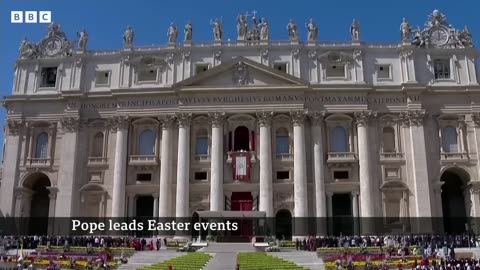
438,36
52,46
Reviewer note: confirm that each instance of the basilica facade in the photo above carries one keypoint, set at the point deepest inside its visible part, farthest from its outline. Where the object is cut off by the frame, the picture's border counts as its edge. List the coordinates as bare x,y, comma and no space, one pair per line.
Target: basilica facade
290,128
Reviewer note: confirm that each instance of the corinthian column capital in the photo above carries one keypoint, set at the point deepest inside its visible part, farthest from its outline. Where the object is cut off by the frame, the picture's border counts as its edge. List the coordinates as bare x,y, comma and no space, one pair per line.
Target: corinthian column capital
217,118
70,124
298,117
413,118
316,118
167,121
265,118
362,118
184,119
15,126
119,122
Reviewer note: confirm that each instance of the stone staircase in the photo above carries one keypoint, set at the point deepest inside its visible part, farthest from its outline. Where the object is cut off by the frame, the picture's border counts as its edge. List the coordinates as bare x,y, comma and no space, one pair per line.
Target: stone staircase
225,254
143,258
301,258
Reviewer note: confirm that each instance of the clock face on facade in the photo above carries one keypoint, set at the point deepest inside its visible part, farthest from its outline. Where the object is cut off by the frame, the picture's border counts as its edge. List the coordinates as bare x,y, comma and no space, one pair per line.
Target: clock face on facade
53,46
438,36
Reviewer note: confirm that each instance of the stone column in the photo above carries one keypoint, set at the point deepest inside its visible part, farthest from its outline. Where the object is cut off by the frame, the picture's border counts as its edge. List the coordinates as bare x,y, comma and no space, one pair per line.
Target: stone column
299,165
155,205
183,165
216,164
13,143
318,172
330,211
121,124
165,194
419,165
51,209
131,209
67,175
266,186
475,206
354,196
366,185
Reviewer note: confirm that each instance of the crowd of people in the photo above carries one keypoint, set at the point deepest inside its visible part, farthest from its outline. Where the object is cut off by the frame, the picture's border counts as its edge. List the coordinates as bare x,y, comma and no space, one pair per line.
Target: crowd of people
427,240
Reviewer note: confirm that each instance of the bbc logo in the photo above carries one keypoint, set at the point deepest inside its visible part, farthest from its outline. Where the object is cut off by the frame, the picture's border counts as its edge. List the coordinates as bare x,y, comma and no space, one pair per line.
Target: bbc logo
31,17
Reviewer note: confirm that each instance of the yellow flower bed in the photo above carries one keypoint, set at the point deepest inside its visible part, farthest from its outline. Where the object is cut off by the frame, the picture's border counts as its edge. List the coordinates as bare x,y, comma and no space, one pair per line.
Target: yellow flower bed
392,263
63,263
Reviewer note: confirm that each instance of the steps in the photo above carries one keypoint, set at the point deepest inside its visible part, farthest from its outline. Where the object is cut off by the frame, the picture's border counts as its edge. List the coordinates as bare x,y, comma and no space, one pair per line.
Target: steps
143,258
225,254
301,258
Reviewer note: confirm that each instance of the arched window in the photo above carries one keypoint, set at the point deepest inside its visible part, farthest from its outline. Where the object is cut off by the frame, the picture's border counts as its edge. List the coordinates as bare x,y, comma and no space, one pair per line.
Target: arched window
41,148
389,140
201,142
146,143
339,140
282,140
97,145
449,139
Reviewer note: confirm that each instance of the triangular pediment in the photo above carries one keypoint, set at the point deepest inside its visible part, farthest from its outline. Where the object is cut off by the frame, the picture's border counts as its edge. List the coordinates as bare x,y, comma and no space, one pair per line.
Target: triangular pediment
241,72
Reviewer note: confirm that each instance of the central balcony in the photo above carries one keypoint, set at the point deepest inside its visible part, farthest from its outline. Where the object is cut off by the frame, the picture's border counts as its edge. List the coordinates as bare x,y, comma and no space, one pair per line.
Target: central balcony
202,157
341,157
253,158
143,160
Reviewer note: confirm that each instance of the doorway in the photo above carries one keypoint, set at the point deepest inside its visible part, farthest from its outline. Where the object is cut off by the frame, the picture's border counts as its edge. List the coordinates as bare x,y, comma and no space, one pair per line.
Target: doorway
453,203
342,214
242,139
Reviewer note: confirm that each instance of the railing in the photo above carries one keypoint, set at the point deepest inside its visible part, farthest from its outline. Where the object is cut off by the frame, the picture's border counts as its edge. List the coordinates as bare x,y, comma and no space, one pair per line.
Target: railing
97,161
202,157
453,156
284,156
341,157
253,157
38,162
143,160
391,156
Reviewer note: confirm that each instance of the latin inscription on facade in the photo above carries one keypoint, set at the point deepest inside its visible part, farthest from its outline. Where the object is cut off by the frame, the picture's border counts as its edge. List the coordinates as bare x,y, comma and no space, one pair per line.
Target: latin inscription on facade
209,100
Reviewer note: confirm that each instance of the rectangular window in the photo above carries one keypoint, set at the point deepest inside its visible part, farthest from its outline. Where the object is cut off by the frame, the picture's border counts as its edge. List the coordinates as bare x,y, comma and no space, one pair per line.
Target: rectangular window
202,146
49,77
147,75
340,175
335,71
282,145
199,68
441,69
282,67
102,78
283,175
144,177
199,176
383,72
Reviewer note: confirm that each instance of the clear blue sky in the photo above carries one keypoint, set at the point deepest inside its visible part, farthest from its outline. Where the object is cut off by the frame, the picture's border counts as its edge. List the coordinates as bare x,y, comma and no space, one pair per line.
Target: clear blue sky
106,20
